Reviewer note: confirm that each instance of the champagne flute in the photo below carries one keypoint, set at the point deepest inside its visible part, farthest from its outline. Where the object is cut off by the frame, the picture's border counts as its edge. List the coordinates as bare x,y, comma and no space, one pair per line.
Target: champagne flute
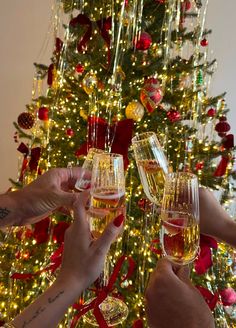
152,165
180,218
82,183
107,202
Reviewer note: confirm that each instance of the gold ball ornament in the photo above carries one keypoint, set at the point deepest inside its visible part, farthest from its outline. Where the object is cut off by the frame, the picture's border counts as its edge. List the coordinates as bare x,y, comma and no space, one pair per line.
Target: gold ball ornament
135,111
89,83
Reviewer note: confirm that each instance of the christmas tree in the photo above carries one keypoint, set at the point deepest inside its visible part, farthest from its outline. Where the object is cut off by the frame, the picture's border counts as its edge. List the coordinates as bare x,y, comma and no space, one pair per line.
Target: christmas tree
118,68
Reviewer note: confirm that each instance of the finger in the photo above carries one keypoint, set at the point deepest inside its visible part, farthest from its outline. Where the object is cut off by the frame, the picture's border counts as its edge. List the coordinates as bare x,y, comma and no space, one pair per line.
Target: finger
183,273
97,212
110,233
164,265
79,208
70,175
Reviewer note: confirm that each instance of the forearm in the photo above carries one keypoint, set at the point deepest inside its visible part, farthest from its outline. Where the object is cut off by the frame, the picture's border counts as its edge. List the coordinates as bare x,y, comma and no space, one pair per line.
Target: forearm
228,232
9,209
50,307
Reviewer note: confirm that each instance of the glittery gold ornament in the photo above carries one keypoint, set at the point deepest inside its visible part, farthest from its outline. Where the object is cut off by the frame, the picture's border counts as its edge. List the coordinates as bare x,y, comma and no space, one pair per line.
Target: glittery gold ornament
26,120
83,114
89,82
134,110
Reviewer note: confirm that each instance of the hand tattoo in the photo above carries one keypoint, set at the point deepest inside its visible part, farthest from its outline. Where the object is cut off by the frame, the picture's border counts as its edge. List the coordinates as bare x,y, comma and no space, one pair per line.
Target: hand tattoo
3,213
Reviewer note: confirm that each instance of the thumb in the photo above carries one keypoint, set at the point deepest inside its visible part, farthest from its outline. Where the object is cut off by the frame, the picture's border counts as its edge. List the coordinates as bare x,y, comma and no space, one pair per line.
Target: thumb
110,233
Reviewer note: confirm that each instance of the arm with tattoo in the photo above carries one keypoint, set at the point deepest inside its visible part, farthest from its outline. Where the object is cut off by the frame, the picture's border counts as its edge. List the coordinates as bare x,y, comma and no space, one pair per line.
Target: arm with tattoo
82,262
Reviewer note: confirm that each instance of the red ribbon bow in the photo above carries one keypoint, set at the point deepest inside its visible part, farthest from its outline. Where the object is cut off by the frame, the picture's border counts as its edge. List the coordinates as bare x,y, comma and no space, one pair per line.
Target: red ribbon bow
104,26
204,259
34,158
103,293
99,131
211,299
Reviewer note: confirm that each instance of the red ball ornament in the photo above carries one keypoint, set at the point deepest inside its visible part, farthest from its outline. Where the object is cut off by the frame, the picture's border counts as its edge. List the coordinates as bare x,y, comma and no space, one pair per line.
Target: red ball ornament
222,127
70,132
211,112
43,113
26,120
151,94
144,204
199,166
79,68
144,42
187,4
173,115
204,42
228,296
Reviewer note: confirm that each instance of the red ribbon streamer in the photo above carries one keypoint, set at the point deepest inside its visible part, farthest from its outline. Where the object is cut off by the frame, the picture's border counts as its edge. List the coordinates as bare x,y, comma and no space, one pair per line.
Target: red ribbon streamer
102,294
34,158
120,135
153,247
222,166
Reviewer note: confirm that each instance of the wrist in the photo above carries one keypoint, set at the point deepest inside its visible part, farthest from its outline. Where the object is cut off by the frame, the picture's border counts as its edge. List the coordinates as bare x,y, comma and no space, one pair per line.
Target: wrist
70,282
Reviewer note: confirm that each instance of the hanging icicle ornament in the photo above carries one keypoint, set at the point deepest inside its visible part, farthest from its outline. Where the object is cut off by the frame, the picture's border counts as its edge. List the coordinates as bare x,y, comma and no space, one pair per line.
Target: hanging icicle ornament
135,111
26,120
90,82
151,94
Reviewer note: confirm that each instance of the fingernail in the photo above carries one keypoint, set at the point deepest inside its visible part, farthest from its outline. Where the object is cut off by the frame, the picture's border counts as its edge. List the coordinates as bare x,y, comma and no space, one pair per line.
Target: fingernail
118,220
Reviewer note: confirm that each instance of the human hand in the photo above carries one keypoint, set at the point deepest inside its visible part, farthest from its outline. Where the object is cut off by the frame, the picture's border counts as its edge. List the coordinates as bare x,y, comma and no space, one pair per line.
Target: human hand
84,257
48,192
172,300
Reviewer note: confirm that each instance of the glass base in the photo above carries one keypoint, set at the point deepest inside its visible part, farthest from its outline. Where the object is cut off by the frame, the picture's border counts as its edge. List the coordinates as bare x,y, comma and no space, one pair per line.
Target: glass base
113,310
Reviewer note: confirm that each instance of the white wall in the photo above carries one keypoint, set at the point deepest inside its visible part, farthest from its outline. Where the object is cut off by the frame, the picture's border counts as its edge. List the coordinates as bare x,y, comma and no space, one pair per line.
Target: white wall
23,30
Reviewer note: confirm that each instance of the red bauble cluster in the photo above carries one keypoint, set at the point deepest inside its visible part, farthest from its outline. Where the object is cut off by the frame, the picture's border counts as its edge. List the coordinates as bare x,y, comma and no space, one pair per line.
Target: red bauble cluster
204,42
199,166
173,115
70,132
211,112
222,126
144,42
43,113
79,68
26,120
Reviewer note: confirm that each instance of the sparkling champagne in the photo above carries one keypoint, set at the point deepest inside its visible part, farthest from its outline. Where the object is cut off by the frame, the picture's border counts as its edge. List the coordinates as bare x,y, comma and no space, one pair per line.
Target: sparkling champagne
105,206
180,237
152,178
